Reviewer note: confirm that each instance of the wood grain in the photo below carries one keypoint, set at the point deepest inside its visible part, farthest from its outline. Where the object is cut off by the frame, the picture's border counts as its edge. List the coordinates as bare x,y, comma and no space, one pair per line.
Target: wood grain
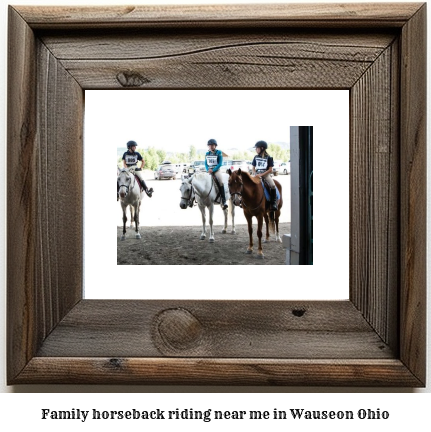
374,192
232,329
196,371
377,51
186,59
413,194
22,200
290,15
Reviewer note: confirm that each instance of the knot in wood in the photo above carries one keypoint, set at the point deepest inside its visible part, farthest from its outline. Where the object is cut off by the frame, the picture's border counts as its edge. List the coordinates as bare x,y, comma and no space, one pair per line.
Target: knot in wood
131,79
178,329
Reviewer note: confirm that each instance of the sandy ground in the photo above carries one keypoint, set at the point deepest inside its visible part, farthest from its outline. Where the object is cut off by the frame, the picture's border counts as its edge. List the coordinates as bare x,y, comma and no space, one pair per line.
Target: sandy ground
171,235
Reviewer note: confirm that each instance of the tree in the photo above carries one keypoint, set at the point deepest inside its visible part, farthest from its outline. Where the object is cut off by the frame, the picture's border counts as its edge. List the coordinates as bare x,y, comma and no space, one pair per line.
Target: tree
162,155
278,153
192,153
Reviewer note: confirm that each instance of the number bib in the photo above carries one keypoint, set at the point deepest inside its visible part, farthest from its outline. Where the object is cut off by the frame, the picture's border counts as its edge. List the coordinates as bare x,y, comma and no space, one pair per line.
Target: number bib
131,159
261,165
211,160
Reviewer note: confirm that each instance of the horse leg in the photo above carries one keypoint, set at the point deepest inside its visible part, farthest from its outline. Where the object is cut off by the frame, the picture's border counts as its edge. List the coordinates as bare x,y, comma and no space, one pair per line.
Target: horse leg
277,234
224,230
267,227
259,236
232,212
250,233
202,209
132,216
211,212
137,235
123,237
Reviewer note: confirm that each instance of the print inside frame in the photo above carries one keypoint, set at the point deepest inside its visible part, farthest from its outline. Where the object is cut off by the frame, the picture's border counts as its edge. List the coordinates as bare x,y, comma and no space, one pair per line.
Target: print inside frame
376,338
142,115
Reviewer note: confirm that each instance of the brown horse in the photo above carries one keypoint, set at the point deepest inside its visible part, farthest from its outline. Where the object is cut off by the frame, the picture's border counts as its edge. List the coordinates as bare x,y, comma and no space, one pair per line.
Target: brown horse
247,192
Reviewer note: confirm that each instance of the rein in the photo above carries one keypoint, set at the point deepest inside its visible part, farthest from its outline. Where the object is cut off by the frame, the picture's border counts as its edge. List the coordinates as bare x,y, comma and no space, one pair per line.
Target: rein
190,199
211,188
241,201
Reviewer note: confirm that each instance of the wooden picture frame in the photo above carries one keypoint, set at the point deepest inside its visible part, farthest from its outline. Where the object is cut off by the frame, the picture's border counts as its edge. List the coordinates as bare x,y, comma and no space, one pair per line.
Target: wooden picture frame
376,338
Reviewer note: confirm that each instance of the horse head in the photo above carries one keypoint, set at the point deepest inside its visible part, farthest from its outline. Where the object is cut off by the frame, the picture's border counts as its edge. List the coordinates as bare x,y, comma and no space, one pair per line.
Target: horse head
124,181
187,194
236,186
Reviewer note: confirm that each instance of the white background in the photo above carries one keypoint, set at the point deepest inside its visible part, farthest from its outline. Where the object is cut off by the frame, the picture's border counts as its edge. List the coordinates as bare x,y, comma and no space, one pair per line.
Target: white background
23,410
135,114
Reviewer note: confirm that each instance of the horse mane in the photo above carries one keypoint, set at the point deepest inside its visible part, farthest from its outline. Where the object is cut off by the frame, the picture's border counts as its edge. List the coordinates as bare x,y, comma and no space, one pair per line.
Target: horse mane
255,180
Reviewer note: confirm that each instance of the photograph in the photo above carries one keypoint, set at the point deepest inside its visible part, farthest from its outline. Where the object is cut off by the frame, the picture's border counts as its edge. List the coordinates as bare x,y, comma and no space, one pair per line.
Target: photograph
185,218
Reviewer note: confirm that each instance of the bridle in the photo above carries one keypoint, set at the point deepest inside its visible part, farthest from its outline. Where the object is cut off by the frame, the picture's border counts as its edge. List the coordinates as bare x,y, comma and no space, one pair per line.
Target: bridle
125,186
190,199
242,204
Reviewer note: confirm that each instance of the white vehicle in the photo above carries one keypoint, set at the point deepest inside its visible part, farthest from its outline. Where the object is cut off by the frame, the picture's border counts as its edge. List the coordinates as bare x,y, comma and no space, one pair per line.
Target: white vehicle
276,167
235,164
284,168
199,166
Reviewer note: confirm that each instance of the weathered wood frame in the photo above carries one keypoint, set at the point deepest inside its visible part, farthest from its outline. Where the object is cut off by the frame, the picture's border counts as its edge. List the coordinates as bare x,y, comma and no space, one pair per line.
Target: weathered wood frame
376,338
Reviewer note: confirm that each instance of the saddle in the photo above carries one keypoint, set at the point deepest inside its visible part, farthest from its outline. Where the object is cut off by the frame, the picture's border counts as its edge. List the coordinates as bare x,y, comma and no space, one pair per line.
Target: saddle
266,189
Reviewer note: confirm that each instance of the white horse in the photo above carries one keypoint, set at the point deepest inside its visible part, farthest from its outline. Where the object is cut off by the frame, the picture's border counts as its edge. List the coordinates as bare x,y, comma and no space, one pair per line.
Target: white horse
130,195
202,188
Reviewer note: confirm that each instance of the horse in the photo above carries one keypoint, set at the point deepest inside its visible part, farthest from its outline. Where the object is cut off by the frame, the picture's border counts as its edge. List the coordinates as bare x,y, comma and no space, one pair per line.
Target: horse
201,187
130,195
247,192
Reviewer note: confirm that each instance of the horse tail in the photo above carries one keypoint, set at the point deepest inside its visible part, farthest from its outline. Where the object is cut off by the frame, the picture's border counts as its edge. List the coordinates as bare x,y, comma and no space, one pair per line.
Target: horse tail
272,221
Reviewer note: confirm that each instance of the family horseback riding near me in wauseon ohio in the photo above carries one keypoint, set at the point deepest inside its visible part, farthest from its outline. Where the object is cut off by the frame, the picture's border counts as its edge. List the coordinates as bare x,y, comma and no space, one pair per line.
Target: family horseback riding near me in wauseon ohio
254,191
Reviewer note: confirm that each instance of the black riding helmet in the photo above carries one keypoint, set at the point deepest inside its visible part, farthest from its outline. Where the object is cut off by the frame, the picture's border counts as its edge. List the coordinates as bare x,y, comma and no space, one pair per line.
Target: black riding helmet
212,141
131,144
262,144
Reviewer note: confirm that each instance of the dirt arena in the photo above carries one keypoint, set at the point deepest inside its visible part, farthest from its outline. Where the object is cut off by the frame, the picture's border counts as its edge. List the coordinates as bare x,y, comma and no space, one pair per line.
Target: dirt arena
182,246
171,236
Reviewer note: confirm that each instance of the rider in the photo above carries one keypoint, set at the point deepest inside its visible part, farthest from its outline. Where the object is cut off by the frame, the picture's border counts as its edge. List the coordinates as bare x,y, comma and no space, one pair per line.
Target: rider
262,167
213,162
130,159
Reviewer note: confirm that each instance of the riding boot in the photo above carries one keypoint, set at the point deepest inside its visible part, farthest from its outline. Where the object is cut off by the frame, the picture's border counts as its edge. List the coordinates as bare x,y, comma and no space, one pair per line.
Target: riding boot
223,197
273,196
149,192
118,189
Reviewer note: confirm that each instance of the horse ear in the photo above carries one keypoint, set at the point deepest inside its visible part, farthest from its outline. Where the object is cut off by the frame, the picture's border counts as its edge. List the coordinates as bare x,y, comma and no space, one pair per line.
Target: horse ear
229,171
239,171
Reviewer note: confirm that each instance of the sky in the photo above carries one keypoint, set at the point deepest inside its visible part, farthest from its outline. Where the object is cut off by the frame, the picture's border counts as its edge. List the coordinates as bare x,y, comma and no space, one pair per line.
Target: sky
174,120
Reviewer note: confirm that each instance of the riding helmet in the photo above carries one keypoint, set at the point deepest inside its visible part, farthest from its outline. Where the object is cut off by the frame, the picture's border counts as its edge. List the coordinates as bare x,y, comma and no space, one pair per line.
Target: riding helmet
212,141
131,144
262,144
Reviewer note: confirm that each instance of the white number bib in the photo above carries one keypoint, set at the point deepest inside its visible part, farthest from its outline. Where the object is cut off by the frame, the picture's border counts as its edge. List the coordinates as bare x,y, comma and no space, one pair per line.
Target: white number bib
211,160
261,164
131,159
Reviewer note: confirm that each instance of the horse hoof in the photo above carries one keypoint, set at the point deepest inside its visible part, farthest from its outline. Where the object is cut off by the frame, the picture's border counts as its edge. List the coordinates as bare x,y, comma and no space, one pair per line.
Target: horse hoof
266,241
203,237
260,256
249,251
233,232
138,236
123,237
224,231
211,240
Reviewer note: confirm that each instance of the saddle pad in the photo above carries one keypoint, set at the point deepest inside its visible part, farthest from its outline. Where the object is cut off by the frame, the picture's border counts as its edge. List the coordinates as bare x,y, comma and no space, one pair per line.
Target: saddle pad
267,194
